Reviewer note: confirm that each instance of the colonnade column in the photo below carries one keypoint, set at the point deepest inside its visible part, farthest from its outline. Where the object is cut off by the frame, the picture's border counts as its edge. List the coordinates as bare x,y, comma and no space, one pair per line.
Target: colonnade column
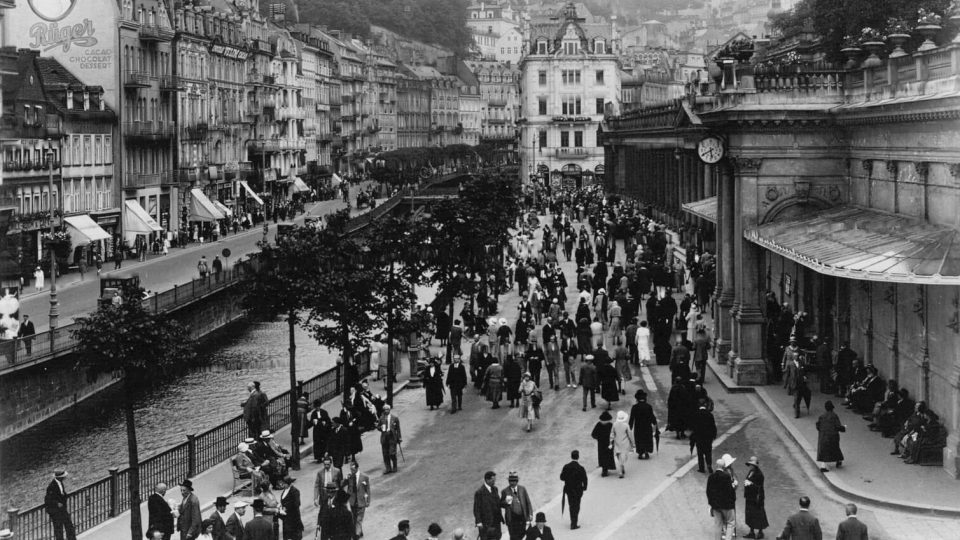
749,367
726,280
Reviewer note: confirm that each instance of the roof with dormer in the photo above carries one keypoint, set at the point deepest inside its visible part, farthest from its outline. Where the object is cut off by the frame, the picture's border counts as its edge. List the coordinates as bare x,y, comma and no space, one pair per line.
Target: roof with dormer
556,28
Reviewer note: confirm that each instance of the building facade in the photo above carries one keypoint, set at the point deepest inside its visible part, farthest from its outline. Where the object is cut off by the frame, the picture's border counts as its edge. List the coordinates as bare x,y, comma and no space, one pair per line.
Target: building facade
567,81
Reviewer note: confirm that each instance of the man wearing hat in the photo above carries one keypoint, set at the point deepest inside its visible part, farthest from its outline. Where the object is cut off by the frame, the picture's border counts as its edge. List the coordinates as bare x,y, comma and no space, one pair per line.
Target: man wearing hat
588,381
722,499
188,517
219,519
539,530
259,528
158,510
403,529
703,432
290,510
518,511
390,438
457,381
235,521
55,503
574,478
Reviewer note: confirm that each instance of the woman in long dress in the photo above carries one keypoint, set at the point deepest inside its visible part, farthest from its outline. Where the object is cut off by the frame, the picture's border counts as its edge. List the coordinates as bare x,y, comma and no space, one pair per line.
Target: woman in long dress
527,409
828,437
601,432
621,441
643,421
755,516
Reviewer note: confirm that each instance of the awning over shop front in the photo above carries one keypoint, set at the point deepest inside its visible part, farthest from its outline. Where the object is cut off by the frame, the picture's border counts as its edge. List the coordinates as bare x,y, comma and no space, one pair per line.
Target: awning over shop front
704,208
201,209
136,220
250,192
223,209
335,180
858,243
300,185
86,229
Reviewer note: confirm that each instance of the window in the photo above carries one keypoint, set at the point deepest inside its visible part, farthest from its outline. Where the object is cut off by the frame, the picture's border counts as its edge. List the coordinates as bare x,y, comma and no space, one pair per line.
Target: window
541,105
542,136
599,47
570,76
571,47
599,76
564,139
578,139
570,105
542,78
541,47
599,105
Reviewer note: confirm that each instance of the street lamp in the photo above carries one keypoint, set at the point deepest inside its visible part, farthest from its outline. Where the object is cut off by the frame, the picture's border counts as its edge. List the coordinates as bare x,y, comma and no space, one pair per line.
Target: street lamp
54,304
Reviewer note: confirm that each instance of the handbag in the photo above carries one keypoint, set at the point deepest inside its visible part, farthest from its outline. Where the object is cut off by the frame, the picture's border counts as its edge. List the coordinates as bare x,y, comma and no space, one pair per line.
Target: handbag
536,397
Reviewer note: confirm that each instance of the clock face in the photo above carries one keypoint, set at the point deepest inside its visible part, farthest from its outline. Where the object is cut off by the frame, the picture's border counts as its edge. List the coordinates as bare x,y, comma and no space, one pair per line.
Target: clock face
710,149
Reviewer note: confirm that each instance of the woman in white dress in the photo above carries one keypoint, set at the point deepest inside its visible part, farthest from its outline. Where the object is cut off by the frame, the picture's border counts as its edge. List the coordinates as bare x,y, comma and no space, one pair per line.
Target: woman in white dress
621,441
528,411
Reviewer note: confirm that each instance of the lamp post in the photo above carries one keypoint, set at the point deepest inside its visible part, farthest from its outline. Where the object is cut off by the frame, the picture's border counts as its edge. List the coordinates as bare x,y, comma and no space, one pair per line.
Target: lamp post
54,304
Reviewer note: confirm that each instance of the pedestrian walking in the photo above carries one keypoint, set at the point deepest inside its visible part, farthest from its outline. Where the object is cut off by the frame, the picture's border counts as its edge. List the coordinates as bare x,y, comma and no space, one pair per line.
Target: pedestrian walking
608,380
754,515
643,422
202,268
456,381
539,530
513,376
574,478
601,433
622,363
188,513
118,258
456,338
260,527
289,510
852,528
680,407
703,432
803,525
322,428
530,398
55,504
390,438
217,267
357,486
621,441
487,512
235,522
160,516
38,279
552,363
722,499
518,510
588,381
26,333
701,349
570,361
433,384
828,437
492,383
643,343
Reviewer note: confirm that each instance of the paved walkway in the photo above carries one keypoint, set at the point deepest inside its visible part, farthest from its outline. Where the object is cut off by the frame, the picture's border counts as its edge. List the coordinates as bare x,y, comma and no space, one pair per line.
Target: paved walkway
870,473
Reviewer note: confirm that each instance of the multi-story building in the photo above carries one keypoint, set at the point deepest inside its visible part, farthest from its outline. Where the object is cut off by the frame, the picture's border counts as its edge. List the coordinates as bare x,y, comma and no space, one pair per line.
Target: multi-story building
315,56
469,123
381,126
499,102
350,72
496,29
567,80
444,105
413,109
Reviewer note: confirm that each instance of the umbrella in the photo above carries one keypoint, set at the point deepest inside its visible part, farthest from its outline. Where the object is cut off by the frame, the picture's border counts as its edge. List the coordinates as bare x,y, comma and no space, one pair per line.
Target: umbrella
656,437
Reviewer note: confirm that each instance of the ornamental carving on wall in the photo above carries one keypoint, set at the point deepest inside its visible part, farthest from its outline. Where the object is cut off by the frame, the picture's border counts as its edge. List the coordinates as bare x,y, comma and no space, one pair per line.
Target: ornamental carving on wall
923,170
955,170
920,306
892,168
743,165
867,165
772,193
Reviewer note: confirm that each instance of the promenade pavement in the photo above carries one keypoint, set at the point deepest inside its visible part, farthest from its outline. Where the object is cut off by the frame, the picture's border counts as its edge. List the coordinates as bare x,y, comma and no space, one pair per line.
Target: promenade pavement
157,273
445,456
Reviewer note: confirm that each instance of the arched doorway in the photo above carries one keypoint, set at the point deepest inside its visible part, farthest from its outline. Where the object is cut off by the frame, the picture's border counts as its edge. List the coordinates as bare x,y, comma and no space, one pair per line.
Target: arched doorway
598,173
572,173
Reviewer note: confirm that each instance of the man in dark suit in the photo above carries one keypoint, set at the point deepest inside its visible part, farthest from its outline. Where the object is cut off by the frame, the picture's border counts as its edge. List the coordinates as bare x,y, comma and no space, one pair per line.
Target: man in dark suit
290,510
704,431
540,531
457,381
852,528
404,530
390,438
161,517
219,519
722,499
518,510
189,519
486,508
55,503
574,478
588,380
357,485
26,333
329,480
802,525
259,527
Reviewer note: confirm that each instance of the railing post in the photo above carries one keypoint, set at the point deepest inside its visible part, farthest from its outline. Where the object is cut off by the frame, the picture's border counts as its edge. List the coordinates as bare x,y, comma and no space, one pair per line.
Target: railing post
114,491
12,520
191,455
156,303
174,294
337,384
193,289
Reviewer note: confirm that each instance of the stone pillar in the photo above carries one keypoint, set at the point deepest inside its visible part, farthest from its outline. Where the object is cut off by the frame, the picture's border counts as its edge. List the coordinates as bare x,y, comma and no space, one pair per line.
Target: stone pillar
748,366
726,280
951,452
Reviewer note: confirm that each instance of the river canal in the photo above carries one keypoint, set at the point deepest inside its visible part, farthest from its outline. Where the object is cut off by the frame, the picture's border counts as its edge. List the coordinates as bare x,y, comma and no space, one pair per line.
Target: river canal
92,438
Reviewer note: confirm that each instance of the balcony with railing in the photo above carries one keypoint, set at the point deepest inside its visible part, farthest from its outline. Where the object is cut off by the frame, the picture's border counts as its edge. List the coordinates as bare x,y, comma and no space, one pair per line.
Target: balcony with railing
267,145
194,131
135,79
290,113
169,83
575,152
147,131
134,180
155,32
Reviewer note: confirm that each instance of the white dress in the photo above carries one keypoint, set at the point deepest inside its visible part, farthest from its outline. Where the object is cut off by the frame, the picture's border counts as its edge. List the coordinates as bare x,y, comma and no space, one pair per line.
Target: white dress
643,343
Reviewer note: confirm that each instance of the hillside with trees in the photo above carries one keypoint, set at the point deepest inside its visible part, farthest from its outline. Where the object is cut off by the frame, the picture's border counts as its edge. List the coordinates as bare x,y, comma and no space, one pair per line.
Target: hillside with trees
442,22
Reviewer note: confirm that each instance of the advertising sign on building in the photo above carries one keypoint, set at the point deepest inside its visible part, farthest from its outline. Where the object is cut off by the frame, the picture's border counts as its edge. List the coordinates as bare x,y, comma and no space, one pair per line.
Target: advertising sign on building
81,34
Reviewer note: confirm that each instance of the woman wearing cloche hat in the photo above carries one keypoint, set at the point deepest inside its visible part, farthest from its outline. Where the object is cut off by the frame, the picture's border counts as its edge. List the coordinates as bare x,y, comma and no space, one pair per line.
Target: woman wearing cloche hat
755,516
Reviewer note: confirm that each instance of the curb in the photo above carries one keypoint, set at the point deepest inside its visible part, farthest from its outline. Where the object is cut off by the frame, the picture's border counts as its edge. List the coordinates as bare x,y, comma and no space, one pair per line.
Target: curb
801,441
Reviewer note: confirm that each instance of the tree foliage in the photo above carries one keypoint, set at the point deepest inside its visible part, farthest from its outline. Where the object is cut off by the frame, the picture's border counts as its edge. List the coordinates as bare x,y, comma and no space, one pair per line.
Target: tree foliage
833,20
432,21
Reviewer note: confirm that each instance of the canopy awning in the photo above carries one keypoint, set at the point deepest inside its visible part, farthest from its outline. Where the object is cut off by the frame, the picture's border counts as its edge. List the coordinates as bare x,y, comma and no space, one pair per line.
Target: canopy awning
223,209
201,209
250,192
335,180
859,243
704,208
136,220
86,229
300,185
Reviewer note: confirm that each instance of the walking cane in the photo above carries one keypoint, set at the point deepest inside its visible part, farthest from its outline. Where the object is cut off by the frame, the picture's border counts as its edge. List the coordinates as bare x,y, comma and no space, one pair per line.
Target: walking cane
400,448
